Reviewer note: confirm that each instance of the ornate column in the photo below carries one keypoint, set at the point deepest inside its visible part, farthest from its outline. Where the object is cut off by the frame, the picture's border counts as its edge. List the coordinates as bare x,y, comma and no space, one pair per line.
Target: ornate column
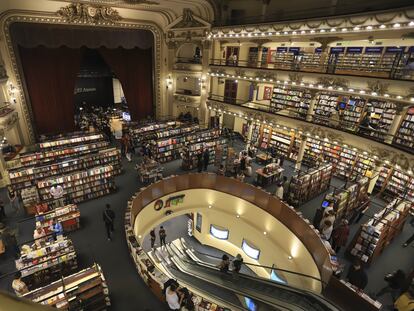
325,41
170,78
301,152
205,83
265,5
249,133
255,90
309,116
401,110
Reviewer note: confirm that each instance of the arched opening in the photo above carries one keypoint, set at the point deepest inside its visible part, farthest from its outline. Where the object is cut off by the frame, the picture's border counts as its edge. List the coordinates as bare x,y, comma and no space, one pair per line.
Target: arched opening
189,53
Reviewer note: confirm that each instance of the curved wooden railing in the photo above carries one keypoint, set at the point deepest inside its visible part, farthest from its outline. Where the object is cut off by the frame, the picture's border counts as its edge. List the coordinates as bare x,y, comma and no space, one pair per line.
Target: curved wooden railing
264,200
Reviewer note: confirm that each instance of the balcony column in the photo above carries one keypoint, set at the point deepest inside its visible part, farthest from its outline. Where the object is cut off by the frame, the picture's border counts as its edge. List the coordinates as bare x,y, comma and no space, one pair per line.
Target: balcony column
401,110
301,152
205,83
312,104
265,5
249,133
325,41
255,90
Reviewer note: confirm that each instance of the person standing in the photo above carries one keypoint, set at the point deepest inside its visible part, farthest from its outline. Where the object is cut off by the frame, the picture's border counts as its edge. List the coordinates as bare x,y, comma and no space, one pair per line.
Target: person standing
152,237
340,235
162,235
108,216
395,284
317,218
237,263
286,183
200,160
279,191
2,212
38,236
14,201
173,297
357,276
206,158
326,229
224,264
19,287
56,191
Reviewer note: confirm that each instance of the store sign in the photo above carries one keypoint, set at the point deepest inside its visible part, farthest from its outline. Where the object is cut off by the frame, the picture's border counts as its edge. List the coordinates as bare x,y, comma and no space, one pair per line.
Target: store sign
294,50
337,50
171,201
394,49
411,49
318,50
355,49
374,50
281,49
84,90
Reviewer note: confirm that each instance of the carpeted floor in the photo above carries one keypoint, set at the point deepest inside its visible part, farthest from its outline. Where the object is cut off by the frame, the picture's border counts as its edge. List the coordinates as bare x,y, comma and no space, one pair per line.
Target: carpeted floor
127,290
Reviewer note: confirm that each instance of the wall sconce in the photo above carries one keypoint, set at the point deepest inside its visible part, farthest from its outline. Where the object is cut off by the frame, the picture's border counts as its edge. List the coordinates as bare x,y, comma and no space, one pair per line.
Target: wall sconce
169,82
12,91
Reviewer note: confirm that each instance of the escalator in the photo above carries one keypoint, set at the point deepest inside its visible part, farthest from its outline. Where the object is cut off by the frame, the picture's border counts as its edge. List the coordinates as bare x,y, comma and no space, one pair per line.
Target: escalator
268,292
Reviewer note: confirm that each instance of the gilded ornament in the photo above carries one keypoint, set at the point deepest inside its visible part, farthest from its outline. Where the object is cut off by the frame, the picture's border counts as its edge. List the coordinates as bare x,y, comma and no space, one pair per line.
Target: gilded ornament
86,13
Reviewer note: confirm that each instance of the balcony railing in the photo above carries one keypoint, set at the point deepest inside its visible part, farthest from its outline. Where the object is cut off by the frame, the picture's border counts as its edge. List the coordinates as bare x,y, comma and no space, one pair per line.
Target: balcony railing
379,135
397,70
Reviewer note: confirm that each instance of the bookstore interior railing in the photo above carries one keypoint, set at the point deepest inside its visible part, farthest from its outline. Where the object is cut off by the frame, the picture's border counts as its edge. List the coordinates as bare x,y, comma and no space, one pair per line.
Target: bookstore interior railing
188,60
389,65
379,134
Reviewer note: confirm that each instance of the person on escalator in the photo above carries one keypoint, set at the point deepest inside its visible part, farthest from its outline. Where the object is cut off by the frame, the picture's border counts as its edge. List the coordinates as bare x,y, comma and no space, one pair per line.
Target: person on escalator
237,264
224,264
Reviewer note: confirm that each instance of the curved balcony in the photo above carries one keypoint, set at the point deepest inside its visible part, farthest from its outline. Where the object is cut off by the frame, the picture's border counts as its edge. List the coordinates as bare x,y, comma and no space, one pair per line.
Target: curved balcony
357,129
320,63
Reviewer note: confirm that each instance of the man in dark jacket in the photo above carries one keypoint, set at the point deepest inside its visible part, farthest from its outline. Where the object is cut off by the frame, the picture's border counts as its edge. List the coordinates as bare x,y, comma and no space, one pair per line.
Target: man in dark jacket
357,276
206,157
200,161
396,282
108,216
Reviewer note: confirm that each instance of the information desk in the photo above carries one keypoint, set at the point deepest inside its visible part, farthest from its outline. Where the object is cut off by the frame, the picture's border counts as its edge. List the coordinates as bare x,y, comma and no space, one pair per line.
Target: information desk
274,172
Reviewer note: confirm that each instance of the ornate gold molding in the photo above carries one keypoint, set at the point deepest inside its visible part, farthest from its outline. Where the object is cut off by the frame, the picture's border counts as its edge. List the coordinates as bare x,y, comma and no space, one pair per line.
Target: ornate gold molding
53,18
88,13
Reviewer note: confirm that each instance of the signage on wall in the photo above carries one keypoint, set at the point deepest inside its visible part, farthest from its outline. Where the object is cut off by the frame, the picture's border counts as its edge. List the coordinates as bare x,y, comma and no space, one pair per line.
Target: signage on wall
394,49
318,50
337,50
281,49
377,49
84,90
294,50
354,49
171,201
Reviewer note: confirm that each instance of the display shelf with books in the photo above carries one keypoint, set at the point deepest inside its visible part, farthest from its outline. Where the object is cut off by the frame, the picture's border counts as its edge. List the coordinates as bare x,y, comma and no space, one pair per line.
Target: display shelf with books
294,100
74,139
255,134
313,152
47,260
310,62
81,185
324,107
189,153
83,290
294,151
363,163
281,58
67,215
352,111
349,61
346,162
383,177
399,184
265,137
30,196
168,149
306,185
282,140
23,177
382,114
331,152
375,235
50,156
405,133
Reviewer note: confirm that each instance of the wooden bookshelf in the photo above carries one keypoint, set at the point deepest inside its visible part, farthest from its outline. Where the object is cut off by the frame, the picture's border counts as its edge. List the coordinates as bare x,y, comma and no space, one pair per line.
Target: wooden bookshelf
405,133
293,100
375,235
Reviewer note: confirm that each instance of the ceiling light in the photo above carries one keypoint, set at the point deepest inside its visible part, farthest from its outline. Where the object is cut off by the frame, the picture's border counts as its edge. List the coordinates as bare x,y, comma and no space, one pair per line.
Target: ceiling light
290,257
399,97
209,206
270,33
356,28
350,90
340,88
323,30
264,232
411,23
369,27
303,32
333,29
140,236
344,29
285,33
362,92
374,94
396,25
294,32
278,33
382,26
312,31
386,95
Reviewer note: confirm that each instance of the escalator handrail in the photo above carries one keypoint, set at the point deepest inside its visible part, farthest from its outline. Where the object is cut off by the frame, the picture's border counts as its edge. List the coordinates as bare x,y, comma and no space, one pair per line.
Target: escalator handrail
267,267
300,291
234,290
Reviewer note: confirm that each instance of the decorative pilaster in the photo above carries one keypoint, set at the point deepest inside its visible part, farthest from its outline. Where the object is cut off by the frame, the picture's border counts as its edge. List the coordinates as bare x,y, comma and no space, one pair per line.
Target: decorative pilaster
401,110
301,152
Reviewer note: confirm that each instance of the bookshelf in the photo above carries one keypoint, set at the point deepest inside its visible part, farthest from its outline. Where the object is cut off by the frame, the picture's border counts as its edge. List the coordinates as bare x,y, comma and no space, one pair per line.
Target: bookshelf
283,140
362,163
383,177
310,62
255,134
374,236
346,162
399,183
294,100
281,58
253,56
352,112
23,177
143,132
305,186
83,290
67,215
72,140
382,115
81,185
313,150
405,133
324,106
48,263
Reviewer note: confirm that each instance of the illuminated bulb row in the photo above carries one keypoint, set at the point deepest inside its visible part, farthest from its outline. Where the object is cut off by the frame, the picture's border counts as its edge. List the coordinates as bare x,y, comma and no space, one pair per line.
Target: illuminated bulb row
311,85
313,31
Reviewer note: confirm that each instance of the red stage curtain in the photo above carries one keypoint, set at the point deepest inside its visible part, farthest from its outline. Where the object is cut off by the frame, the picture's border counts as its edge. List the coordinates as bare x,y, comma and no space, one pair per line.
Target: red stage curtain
133,68
50,76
